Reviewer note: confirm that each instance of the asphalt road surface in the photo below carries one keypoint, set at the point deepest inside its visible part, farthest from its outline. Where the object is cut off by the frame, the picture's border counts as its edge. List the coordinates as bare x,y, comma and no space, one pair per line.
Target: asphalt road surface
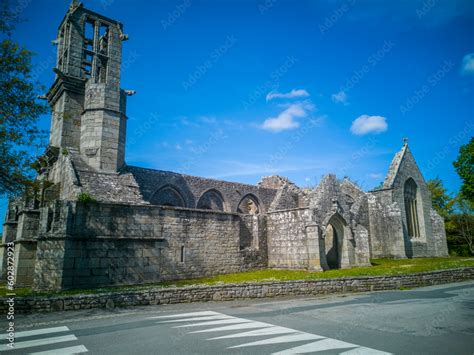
430,320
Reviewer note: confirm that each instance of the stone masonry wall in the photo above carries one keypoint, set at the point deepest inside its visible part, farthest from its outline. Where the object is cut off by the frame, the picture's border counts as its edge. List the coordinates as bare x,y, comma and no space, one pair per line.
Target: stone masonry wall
236,291
386,230
287,247
109,244
439,233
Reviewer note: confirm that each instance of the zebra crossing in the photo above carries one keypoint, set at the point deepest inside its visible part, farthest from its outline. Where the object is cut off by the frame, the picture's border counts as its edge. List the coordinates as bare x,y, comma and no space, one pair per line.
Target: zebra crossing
56,337
212,323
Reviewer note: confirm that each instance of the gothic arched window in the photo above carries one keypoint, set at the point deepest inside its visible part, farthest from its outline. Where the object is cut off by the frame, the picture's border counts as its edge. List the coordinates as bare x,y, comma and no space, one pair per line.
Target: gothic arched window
411,208
211,200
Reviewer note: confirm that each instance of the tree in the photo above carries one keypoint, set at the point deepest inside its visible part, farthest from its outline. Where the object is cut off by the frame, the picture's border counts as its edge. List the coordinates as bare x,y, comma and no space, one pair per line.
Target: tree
464,221
442,202
464,166
19,110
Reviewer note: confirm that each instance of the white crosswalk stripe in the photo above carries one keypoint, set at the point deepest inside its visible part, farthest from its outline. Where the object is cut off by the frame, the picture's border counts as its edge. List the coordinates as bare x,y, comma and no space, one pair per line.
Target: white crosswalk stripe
187,315
259,332
363,351
215,322
49,337
249,325
29,333
64,351
320,345
280,340
39,342
246,328
197,318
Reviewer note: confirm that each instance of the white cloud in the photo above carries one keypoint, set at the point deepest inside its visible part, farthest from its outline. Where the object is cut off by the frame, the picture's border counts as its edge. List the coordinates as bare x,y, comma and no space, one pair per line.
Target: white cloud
369,124
376,176
340,98
467,67
188,141
178,147
286,119
207,119
289,95
186,122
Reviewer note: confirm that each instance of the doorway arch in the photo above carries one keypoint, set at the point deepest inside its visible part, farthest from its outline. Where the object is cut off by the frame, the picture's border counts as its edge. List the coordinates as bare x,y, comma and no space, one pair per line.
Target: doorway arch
334,236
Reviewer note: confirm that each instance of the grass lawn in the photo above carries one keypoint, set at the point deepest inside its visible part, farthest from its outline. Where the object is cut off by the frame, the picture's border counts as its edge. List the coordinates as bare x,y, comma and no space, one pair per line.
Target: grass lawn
380,267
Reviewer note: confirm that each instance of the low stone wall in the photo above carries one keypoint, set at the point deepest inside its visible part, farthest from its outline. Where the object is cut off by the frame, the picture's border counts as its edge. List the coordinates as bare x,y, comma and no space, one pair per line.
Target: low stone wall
236,291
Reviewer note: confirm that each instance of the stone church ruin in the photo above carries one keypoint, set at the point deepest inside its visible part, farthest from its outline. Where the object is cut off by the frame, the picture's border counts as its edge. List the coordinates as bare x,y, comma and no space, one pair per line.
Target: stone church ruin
98,221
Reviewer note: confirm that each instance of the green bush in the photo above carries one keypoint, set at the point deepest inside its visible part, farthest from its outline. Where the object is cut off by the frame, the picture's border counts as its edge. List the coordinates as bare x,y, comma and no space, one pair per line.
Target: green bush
85,198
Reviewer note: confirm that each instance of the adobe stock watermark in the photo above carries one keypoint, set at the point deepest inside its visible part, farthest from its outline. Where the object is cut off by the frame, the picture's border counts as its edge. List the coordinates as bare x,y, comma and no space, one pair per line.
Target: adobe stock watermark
453,143
266,5
129,60
427,86
174,15
10,301
336,15
284,149
106,3
213,58
213,139
14,11
271,84
372,61
425,8
144,127
359,154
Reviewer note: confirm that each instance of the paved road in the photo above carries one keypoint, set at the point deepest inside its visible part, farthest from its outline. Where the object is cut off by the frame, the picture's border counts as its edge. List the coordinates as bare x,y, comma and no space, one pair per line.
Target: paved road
431,320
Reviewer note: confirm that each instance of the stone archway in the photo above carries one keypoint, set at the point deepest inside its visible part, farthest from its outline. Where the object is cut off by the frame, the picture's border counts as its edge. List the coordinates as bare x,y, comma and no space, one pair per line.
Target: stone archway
331,247
168,195
333,241
249,204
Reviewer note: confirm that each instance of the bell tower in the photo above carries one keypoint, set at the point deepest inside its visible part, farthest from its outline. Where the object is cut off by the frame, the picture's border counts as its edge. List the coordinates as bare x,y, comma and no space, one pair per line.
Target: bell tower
89,108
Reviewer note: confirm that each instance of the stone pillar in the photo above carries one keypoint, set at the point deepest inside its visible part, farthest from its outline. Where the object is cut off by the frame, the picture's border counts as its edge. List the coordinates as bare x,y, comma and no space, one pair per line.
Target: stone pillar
54,248
25,258
9,235
312,244
25,247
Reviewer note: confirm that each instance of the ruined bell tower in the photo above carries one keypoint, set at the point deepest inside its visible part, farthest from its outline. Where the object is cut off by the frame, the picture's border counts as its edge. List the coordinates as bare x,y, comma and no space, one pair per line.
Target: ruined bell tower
89,108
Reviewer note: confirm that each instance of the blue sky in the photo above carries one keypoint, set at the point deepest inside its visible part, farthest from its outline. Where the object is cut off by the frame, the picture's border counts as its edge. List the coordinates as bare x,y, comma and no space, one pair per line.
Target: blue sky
242,89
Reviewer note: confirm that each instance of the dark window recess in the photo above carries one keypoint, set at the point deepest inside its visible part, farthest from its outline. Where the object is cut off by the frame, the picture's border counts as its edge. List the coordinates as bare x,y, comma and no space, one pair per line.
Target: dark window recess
87,70
182,254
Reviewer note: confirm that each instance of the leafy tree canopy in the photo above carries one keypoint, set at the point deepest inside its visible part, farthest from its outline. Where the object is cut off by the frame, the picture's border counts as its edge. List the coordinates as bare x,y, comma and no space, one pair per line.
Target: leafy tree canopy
19,110
442,202
464,166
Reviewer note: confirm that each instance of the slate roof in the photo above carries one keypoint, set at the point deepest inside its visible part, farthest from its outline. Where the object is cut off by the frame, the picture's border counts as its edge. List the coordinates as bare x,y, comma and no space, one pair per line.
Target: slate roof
118,187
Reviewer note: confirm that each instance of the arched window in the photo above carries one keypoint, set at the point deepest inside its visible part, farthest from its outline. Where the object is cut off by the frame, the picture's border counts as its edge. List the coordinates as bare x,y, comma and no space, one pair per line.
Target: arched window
249,205
211,200
168,196
411,208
